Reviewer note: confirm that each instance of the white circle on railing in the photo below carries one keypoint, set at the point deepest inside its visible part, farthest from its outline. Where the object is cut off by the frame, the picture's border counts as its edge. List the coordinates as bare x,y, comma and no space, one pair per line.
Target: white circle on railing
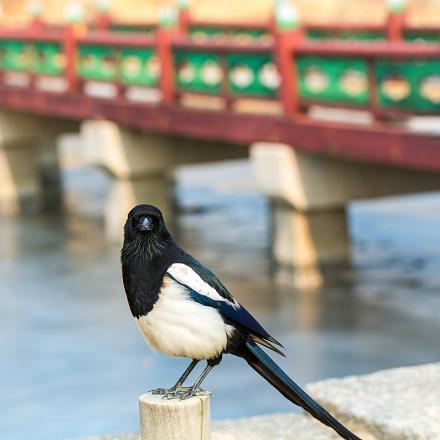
315,79
131,66
269,76
395,87
211,73
430,88
241,76
186,73
353,82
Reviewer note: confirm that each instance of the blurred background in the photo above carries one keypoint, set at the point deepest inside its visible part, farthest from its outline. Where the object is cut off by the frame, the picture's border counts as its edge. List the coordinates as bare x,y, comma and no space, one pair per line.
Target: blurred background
322,11
72,362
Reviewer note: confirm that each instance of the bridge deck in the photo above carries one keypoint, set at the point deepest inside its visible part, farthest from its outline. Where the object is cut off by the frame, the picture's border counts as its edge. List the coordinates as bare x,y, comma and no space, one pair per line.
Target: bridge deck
379,142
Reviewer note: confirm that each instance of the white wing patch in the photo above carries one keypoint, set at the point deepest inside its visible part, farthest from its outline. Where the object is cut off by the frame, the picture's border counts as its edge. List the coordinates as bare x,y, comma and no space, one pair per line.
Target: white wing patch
179,326
187,276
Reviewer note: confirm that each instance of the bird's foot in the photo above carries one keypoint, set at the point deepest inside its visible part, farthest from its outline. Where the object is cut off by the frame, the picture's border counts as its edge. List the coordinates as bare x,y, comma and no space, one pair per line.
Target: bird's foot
191,392
169,391
179,392
160,391
174,393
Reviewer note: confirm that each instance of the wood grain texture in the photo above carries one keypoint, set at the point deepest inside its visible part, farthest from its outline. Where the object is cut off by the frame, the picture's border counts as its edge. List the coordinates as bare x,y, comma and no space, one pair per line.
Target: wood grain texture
162,419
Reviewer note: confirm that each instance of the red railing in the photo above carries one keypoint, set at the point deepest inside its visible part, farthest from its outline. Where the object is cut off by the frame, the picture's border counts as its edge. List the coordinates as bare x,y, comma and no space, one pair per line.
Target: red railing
283,46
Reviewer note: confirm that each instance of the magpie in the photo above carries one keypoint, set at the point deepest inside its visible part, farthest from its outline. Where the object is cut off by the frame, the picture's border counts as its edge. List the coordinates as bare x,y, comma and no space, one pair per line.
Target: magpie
182,309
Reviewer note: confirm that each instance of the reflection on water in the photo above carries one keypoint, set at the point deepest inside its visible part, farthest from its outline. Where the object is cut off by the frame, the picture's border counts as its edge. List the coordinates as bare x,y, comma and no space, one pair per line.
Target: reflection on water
73,363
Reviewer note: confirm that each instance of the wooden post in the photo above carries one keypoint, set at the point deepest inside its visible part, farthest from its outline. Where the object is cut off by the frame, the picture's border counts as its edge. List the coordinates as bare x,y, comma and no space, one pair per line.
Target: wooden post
162,419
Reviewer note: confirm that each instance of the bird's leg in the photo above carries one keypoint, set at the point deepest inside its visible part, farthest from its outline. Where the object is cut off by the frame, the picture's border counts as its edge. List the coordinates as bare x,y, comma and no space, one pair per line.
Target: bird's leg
178,386
196,387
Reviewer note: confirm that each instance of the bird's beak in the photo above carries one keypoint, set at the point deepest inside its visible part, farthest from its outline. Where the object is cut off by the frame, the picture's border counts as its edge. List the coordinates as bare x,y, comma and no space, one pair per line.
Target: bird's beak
145,224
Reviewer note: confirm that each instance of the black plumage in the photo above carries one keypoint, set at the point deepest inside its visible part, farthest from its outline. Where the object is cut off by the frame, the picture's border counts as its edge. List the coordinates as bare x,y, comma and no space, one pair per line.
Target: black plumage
170,293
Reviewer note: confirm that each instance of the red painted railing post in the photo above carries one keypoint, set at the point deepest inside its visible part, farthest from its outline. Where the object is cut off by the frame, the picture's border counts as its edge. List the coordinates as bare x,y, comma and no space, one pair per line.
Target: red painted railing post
103,18
70,54
396,20
184,17
165,33
287,32
395,25
36,11
37,23
103,21
76,27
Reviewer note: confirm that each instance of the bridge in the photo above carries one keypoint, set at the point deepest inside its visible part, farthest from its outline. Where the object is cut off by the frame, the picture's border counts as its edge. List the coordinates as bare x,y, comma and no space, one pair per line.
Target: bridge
153,96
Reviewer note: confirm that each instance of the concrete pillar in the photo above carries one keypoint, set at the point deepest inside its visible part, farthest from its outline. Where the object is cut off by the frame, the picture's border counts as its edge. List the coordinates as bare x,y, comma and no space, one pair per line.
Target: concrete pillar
308,238
309,194
29,173
19,180
142,165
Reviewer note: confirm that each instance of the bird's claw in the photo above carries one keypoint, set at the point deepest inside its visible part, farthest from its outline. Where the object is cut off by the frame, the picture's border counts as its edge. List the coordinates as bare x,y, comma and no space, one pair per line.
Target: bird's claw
179,392
188,393
174,393
161,391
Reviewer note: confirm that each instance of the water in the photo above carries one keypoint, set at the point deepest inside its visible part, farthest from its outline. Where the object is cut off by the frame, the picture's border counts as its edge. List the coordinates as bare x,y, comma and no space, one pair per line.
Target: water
73,364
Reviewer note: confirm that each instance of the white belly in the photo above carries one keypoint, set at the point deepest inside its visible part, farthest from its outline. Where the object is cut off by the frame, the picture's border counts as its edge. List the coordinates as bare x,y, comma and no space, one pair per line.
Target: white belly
179,326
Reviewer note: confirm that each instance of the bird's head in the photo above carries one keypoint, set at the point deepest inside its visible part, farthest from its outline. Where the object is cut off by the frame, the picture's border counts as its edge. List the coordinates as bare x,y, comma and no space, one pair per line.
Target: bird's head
145,225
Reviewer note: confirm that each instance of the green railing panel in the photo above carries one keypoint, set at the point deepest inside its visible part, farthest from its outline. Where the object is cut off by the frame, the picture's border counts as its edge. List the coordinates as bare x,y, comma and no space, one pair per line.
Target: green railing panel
97,63
337,80
252,74
427,37
15,55
139,66
204,32
250,35
319,35
198,71
48,58
409,84
132,29
346,35
242,35
361,36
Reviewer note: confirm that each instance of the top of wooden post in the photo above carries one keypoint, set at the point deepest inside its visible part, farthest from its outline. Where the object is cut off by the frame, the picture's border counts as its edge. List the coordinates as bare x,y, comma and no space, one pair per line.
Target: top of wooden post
163,419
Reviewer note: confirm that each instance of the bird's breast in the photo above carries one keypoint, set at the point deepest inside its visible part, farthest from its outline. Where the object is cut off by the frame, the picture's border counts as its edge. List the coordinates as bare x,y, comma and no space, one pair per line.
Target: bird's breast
179,326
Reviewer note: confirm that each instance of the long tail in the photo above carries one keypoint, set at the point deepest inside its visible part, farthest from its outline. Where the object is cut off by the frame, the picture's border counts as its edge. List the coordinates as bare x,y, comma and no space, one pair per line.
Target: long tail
268,369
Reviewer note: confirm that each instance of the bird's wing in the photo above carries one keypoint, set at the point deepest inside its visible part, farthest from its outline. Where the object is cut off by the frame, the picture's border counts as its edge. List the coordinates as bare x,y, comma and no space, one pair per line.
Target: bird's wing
202,286
207,276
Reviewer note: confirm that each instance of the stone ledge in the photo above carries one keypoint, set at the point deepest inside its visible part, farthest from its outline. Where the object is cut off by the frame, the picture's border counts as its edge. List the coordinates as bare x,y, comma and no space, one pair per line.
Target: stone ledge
397,404
288,426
